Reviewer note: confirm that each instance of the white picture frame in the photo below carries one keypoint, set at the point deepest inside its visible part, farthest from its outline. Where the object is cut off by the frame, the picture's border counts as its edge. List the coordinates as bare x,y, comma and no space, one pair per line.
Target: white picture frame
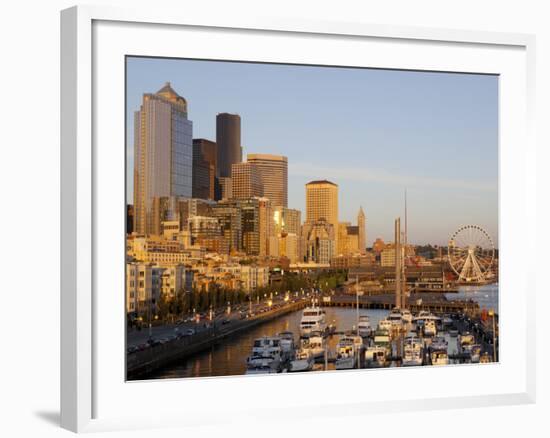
85,371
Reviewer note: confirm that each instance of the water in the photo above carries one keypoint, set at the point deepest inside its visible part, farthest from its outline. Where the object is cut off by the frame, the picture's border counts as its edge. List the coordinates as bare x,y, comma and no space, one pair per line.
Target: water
486,296
229,358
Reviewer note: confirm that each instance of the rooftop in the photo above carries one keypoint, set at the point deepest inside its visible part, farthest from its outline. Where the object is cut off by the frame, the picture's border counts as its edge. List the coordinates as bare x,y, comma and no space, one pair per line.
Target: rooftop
321,181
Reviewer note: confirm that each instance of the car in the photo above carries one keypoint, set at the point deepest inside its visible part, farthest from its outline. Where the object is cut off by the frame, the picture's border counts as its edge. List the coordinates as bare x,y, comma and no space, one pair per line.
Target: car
190,332
226,321
143,346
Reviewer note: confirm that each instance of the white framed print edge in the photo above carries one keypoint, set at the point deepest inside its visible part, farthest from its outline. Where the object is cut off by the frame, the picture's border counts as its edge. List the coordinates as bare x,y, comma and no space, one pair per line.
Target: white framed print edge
83,373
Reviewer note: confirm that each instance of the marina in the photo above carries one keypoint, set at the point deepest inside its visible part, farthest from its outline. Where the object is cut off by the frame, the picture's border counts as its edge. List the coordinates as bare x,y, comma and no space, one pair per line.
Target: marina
380,340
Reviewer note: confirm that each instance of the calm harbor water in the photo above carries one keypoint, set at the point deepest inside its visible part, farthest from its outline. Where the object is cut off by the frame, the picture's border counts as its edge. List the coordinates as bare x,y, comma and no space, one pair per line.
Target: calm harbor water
486,296
229,358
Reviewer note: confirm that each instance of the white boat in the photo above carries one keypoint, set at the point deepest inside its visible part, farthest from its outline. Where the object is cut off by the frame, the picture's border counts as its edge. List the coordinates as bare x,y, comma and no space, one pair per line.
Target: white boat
348,351
466,341
395,319
423,316
439,343
316,345
413,351
363,326
303,361
266,356
313,320
420,318
439,357
429,327
475,353
406,316
384,324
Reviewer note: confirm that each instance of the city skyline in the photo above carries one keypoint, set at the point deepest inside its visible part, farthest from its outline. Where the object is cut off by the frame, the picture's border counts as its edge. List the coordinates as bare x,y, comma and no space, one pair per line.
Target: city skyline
446,188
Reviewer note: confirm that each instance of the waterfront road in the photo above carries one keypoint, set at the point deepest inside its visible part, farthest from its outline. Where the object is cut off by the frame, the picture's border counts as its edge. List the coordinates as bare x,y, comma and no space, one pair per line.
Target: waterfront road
136,337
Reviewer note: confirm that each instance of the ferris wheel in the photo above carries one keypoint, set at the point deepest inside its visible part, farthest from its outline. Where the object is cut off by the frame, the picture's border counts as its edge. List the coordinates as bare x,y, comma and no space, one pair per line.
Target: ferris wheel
471,253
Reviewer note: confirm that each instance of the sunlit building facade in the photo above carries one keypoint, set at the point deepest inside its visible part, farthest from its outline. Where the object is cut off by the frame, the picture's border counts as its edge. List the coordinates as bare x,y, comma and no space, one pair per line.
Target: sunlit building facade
274,172
163,151
246,181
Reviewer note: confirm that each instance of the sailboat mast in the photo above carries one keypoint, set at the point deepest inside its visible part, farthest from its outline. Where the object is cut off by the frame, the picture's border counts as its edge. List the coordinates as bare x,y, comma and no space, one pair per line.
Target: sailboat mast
404,294
357,302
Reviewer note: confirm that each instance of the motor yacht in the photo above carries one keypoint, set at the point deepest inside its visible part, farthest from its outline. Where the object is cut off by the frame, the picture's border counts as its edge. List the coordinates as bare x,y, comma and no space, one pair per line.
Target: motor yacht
466,341
315,344
384,324
266,356
429,328
413,351
439,343
348,352
395,319
475,353
303,361
406,316
313,320
439,357
364,328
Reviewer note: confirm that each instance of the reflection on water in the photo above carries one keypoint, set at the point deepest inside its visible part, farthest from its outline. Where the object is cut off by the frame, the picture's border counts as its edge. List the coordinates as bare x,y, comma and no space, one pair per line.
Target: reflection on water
486,296
229,358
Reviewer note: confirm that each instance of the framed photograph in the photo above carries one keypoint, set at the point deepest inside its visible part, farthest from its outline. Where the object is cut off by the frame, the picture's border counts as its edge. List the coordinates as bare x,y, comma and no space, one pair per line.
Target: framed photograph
307,218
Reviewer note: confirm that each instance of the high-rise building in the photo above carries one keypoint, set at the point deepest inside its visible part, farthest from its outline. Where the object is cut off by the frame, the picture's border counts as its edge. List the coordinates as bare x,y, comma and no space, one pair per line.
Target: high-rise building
163,151
250,226
266,225
129,219
230,219
322,203
287,220
274,172
204,168
205,231
246,181
362,231
320,241
228,139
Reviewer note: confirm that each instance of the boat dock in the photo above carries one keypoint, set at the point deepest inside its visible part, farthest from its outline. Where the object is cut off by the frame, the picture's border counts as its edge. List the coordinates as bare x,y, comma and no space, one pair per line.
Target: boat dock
160,354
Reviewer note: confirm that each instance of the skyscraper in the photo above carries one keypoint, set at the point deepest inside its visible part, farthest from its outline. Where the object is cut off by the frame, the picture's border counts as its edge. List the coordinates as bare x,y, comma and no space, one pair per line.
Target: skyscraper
362,232
266,225
228,139
204,168
274,171
163,152
322,203
287,220
246,181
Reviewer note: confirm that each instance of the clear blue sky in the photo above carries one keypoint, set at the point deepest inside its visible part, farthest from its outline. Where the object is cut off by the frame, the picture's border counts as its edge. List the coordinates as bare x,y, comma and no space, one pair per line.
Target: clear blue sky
373,132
